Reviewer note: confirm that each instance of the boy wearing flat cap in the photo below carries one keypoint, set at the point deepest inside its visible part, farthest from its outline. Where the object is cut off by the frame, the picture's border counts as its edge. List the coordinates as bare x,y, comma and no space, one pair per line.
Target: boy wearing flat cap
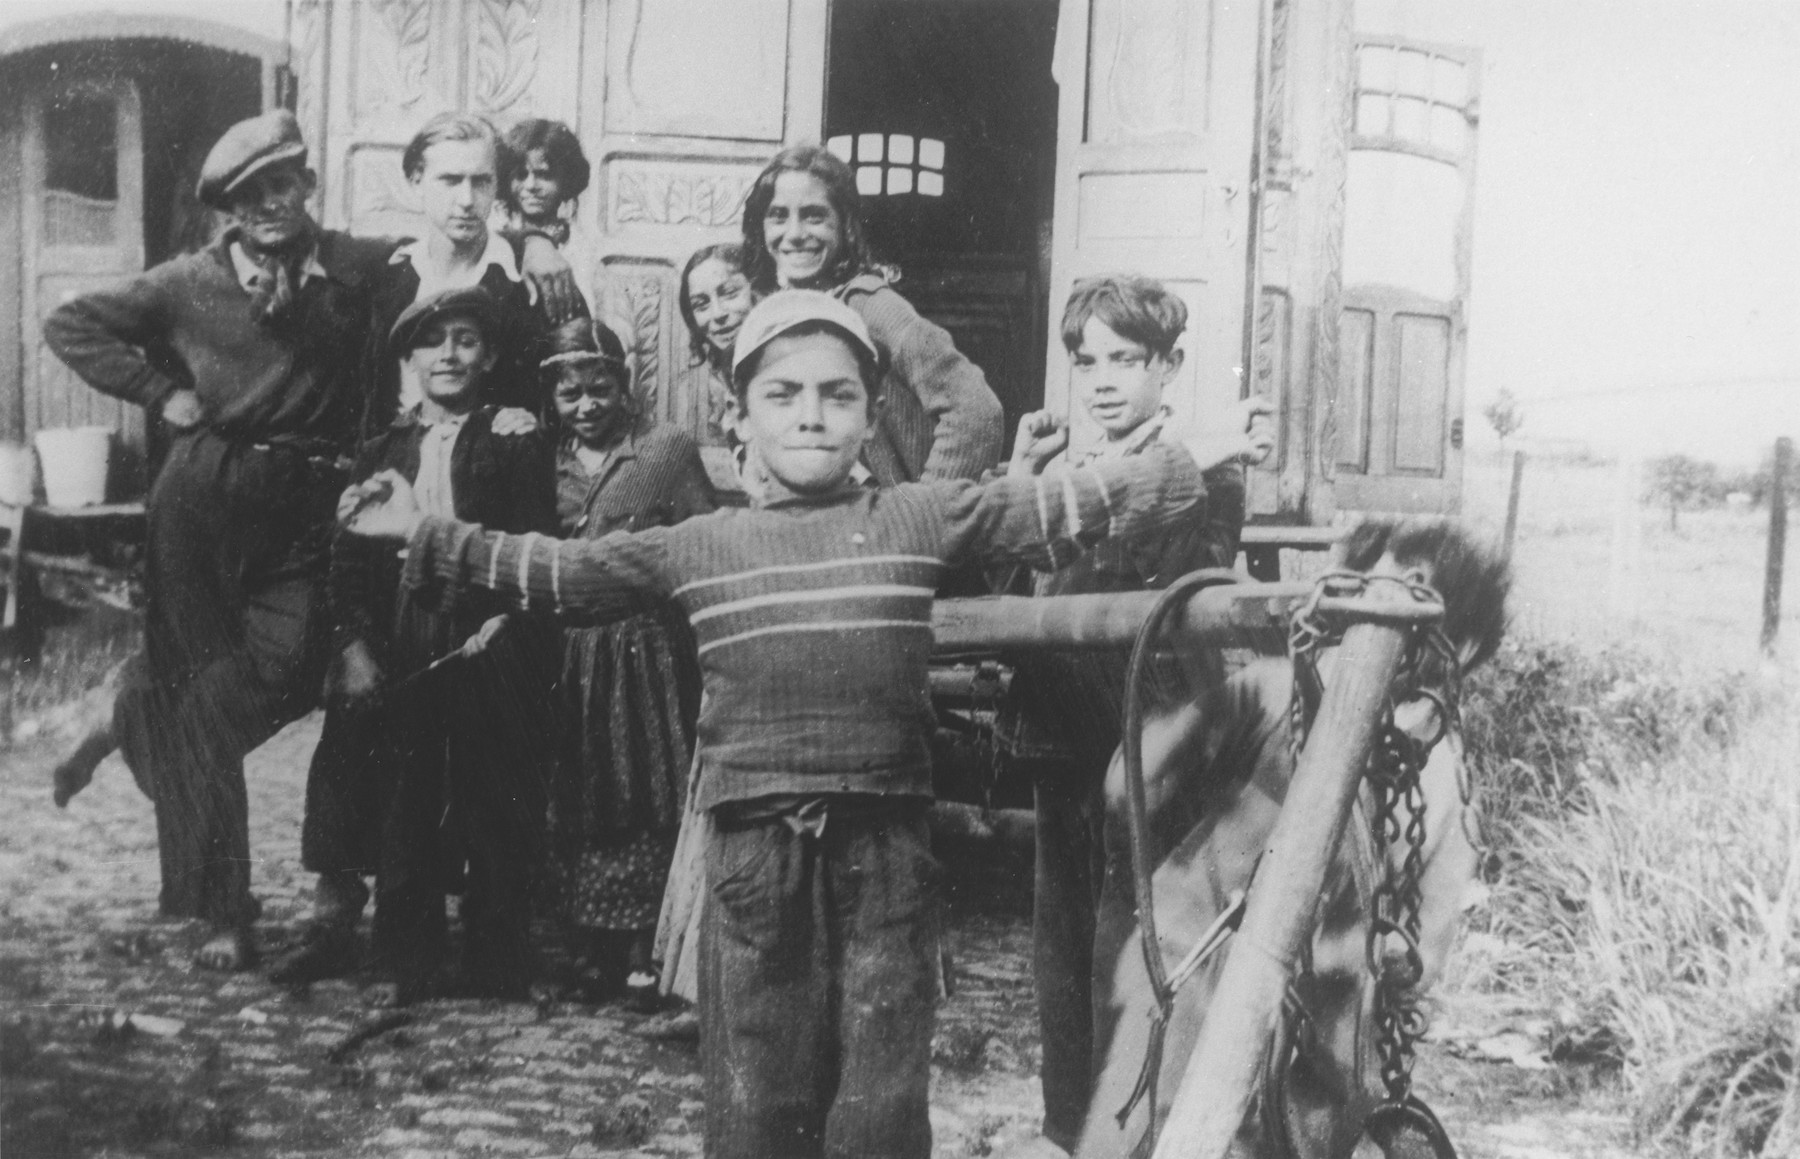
812,611
250,352
404,747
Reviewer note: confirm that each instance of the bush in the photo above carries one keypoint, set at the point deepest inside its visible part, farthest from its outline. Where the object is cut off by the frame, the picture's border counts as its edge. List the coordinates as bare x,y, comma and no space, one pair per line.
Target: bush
1645,876
1544,719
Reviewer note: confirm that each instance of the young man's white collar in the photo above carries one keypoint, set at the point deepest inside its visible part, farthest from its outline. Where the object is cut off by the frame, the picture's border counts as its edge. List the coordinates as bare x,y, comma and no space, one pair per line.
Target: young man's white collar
433,279
248,271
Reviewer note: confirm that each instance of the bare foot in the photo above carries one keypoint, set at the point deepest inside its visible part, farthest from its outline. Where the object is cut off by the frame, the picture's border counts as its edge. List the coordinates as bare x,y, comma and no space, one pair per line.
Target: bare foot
229,951
77,769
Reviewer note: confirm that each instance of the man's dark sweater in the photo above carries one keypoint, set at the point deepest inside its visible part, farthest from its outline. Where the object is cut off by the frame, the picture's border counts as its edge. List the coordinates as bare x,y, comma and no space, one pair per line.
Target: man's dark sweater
239,523
186,324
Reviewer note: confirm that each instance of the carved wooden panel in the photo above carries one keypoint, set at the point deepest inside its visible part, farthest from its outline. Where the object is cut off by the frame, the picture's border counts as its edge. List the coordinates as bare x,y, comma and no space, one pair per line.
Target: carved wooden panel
648,191
1271,376
307,45
637,300
382,200
1149,69
525,58
700,68
398,69
506,47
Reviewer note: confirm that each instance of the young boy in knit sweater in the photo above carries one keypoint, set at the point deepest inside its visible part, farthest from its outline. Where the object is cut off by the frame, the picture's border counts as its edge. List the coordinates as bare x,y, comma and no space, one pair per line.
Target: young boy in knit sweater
813,614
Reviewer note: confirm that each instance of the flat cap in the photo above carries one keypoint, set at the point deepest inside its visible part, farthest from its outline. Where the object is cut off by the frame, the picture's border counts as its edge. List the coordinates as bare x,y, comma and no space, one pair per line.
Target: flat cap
246,149
786,310
472,301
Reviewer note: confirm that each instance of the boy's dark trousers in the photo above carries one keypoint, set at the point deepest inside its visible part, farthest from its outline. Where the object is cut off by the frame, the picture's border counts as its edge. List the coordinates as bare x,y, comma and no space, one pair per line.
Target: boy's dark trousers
817,985
463,752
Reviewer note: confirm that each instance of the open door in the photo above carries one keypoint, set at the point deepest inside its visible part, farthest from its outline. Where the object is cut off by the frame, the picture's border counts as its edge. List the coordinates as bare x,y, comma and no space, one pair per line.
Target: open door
948,111
1404,322
82,199
1155,128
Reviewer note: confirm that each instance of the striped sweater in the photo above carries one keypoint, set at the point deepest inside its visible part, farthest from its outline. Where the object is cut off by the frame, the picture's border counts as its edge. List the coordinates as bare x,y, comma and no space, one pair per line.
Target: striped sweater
813,615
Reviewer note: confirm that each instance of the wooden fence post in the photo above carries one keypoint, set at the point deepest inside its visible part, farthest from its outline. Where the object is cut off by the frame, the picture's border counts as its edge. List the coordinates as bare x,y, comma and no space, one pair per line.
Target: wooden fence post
1771,625
1627,538
1512,503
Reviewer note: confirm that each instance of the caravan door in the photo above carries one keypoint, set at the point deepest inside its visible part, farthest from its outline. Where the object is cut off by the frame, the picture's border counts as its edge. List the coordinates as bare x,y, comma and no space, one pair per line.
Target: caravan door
82,200
1153,164
1404,323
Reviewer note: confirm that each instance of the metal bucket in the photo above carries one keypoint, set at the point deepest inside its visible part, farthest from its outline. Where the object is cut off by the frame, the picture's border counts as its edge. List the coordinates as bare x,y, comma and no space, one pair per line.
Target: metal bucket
75,461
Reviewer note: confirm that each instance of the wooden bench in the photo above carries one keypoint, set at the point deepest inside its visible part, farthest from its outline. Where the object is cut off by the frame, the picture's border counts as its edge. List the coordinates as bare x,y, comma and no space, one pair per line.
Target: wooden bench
75,555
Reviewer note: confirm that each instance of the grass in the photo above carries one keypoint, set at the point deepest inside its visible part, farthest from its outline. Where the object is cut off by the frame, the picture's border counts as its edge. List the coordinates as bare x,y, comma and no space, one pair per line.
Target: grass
1638,764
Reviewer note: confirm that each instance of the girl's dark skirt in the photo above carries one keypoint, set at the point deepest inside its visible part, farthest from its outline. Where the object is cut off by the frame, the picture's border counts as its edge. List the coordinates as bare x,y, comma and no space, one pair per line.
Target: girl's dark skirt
631,693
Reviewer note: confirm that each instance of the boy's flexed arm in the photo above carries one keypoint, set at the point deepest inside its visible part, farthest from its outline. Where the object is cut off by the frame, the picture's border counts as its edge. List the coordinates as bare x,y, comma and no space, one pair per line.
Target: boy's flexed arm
1048,520
602,578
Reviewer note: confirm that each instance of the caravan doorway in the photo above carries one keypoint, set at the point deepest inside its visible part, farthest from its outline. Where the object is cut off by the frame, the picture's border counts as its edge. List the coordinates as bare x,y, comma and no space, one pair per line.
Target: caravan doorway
947,109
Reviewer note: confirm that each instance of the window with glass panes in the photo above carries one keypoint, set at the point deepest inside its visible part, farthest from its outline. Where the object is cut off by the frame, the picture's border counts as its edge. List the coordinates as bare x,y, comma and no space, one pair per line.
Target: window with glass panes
889,164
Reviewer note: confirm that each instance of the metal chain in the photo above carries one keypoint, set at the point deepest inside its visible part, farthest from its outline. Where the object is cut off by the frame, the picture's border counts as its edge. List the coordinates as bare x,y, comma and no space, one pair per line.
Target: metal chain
1399,816
1393,771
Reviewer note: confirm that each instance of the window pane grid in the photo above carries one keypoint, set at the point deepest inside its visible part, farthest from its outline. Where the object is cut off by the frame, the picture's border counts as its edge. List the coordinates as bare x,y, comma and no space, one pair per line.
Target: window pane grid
1412,94
892,164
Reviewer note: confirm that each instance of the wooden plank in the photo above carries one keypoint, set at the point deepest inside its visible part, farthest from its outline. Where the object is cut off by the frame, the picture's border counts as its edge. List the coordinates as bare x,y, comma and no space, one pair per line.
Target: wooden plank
1226,1068
1297,538
1229,616
96,511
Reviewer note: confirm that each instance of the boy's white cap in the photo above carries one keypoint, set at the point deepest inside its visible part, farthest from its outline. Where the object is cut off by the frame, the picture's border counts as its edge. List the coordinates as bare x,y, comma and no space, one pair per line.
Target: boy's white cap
784,310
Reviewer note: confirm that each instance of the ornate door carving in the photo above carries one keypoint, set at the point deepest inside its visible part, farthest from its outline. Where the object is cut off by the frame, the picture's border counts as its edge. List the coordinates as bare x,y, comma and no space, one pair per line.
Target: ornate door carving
678,103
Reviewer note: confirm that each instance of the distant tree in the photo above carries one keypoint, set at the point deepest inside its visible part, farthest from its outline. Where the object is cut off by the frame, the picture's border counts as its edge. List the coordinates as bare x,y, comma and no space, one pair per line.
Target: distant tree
1504,415
1680,482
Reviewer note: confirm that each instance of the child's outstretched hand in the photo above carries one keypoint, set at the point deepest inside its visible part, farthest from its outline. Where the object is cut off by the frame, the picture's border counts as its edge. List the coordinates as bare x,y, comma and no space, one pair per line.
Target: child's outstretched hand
478,643
382,507
1041,435
1248,436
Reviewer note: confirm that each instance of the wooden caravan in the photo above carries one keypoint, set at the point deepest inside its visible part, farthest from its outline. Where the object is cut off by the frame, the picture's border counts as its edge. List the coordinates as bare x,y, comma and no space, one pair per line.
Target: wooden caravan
1306,194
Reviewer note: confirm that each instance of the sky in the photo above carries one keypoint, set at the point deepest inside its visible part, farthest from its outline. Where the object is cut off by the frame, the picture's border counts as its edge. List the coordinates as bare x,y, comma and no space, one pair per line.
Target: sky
1636,269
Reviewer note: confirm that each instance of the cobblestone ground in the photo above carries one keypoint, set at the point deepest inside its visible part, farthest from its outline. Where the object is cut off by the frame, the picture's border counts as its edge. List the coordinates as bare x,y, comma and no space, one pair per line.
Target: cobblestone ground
234,1066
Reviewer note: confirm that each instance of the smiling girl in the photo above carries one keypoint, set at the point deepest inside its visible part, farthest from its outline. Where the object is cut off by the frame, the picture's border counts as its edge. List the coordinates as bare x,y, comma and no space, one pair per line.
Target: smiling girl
547,173
630,690
714,297
803,229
